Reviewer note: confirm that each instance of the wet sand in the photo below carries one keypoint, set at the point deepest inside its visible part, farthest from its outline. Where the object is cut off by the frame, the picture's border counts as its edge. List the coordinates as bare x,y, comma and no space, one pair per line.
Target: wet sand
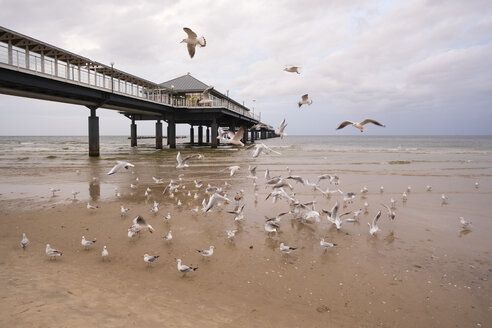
421,269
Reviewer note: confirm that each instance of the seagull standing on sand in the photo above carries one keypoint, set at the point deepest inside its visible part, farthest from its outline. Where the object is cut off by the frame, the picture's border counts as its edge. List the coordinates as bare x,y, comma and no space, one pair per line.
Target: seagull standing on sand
444,199
54,190
292,69
169,236
120,165
104,253
464,224
184,268
359,125
192,41
24,242
91,207
231,234
326,244
75,193
124,210
205,97
305,100
286,249
86,243
206,252
150,258
51,252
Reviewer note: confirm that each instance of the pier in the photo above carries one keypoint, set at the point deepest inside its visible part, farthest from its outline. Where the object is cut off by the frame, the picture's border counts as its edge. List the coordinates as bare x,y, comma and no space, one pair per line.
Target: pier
34,69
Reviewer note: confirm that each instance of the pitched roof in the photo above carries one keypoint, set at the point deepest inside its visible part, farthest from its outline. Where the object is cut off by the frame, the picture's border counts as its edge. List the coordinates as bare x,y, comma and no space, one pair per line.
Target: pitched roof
185,83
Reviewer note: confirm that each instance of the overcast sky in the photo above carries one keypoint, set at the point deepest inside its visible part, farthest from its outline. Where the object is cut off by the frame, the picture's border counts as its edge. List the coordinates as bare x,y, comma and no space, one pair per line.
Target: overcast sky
420,67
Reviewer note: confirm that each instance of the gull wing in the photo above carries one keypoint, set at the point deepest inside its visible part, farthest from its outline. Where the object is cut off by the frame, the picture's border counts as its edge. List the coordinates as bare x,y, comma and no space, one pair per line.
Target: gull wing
239,134
191,49
344,124
376,218
191,34
206,92
368,120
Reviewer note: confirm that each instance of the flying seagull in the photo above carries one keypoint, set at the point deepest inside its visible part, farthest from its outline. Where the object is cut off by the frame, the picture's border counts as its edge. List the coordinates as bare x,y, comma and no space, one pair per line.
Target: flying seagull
373,228
120,165
183,162
281,129
192,41
305,100
213,200
205,96
292,69
359,125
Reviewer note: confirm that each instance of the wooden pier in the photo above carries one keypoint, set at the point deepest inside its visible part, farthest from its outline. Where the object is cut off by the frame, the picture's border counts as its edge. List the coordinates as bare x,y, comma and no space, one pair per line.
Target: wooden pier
35,69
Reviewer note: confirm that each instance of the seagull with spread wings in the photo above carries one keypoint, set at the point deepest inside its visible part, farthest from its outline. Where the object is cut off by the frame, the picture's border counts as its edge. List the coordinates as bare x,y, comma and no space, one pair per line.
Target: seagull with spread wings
182,163
305,100
205,97
359,125
192,41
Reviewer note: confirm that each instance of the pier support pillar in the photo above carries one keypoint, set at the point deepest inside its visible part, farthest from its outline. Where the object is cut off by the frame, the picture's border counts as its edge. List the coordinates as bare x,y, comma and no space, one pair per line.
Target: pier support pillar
93,134
133,133
171,133
245,135
158,135
192,135
263,134
200,135
207,137
253,136
214,140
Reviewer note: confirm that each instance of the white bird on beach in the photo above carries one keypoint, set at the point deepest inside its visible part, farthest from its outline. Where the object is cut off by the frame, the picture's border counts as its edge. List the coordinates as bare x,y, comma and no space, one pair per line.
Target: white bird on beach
213,200
231,234
120,165
281,129
334,217
139,224
238,213
86,243
358,125
124,210
326,244
409,189
206,252
133,186
105,253
205,97
305,100
75,193
477,185
465,224
156,180
428,188
392,203
182,163
24,242
271,226
391,214
184,268
286,249
169,236
444,199
51,252
132,233
404,197
373,228
54,190
381,189
192,41
150,258
292,69
91,207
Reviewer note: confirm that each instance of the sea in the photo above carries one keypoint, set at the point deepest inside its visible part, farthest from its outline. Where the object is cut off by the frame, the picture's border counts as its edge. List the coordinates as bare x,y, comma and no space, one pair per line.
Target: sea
30,165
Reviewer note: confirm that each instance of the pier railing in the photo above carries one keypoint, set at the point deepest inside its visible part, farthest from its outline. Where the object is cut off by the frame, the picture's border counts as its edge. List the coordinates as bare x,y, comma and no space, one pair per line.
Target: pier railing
78,70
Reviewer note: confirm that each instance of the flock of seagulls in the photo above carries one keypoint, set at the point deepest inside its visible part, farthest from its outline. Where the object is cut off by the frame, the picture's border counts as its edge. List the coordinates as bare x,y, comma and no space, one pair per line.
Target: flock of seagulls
192,41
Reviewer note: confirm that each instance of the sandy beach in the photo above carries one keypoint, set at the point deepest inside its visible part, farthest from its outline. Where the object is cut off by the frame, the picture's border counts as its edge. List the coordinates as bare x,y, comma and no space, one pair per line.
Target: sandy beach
421,269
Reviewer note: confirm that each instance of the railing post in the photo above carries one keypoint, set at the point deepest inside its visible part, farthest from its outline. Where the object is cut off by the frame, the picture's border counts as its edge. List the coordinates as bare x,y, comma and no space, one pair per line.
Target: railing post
10,55
27,58
42,61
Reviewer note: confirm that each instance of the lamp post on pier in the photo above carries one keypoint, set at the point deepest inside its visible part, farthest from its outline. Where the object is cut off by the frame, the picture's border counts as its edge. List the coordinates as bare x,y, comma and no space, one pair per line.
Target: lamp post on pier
112,84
